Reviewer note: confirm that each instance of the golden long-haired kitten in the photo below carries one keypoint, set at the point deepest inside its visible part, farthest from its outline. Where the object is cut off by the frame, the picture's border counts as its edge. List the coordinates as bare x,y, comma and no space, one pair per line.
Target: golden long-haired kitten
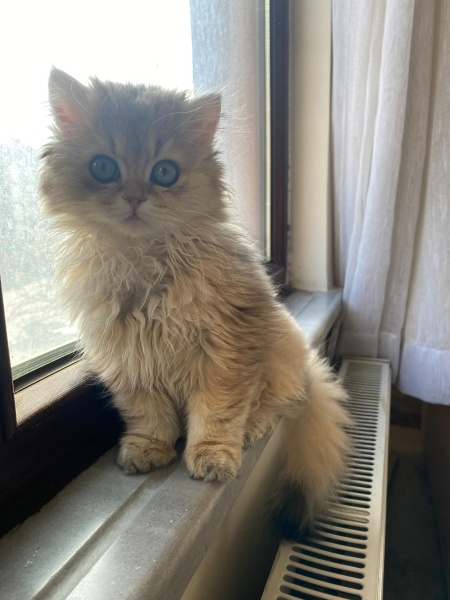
175,311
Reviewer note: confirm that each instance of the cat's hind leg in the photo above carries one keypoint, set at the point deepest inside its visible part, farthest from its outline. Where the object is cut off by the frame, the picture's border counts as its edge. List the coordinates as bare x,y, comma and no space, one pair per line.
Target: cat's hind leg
259,423
152,430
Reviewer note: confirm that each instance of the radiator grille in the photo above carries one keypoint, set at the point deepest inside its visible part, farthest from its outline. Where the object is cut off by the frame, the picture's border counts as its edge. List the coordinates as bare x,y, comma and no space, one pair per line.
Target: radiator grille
344,559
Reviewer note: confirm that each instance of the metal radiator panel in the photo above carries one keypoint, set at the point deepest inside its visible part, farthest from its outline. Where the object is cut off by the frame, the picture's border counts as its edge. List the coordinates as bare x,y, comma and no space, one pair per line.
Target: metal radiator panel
345,557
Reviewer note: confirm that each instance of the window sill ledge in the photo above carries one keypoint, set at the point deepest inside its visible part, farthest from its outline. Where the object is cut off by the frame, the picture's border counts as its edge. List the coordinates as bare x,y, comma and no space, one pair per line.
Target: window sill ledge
108,535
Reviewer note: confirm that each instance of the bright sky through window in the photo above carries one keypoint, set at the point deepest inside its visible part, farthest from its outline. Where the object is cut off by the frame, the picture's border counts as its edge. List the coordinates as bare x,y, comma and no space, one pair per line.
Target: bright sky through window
137,41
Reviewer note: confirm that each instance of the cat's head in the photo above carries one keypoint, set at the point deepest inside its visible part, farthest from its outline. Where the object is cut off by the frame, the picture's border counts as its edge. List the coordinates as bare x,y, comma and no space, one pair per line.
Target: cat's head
131,160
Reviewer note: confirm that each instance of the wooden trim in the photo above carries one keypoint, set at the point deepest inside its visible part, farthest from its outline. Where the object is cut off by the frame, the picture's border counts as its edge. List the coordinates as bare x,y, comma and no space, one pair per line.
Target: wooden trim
54,446
279,100
7,405
38,400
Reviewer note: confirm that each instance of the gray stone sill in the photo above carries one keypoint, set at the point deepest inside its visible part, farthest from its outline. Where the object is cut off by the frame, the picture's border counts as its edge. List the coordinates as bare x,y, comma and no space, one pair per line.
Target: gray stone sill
107,535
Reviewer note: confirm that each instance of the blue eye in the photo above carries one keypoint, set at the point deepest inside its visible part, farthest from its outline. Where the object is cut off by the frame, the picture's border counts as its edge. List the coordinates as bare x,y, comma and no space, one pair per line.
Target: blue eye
165,173
104,169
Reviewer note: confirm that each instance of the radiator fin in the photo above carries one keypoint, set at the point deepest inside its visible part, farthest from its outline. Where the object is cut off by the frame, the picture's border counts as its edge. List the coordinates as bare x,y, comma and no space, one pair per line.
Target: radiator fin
344,558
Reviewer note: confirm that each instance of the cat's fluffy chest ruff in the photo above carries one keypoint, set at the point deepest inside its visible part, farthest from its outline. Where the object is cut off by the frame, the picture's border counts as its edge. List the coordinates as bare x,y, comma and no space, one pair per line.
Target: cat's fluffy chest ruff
142,311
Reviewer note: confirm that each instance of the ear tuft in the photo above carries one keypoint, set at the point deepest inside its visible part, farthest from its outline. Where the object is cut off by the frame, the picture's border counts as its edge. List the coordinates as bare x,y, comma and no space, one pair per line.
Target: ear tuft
68,99
205,118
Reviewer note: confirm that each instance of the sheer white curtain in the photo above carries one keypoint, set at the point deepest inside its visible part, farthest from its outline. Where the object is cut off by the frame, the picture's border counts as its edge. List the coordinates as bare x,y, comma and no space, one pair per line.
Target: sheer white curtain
391,160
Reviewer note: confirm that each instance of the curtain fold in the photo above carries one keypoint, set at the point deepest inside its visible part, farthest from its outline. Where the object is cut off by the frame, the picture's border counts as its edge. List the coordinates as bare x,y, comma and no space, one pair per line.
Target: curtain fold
391,161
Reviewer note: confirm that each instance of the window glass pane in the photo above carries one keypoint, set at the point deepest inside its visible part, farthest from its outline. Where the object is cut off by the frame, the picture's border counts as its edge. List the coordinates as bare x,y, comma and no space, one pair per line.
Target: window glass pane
151,42
228,48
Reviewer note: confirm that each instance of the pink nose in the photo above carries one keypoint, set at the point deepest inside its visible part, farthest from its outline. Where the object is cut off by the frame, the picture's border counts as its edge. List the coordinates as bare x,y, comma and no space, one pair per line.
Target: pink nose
134,201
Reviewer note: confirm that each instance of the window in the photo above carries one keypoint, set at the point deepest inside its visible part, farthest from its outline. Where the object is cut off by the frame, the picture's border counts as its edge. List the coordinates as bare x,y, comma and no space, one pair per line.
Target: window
58,420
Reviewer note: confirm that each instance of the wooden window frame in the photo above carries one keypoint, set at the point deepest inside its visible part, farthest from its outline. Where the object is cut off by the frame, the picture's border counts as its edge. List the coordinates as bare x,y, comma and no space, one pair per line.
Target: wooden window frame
279,131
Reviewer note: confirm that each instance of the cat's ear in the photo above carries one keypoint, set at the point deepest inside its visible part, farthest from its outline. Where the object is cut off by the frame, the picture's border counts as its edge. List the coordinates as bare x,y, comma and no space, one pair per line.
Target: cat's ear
205,118
68,100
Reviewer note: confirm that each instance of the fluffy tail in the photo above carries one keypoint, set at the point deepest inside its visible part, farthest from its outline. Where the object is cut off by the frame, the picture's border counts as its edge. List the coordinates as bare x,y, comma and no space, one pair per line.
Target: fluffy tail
316,446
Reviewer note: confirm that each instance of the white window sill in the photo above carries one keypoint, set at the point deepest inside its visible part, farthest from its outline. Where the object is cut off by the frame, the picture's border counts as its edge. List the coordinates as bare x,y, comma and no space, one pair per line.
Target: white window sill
108,535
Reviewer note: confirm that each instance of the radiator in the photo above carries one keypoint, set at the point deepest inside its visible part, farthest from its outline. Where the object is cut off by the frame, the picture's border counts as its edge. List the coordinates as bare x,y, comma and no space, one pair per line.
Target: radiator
344,558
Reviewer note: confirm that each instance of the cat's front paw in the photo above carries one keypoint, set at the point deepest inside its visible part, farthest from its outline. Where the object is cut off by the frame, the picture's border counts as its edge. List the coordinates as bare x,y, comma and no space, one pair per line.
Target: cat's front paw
212,462
141,455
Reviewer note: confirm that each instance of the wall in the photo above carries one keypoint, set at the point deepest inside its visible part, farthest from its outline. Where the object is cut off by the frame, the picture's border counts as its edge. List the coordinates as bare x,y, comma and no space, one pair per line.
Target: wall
310,214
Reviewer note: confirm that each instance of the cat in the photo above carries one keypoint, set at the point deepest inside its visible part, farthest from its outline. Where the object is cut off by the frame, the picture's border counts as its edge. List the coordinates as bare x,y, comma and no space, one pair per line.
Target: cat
176,313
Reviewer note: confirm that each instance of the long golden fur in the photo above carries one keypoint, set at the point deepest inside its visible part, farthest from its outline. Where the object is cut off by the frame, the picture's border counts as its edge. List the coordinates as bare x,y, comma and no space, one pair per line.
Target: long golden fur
175,311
